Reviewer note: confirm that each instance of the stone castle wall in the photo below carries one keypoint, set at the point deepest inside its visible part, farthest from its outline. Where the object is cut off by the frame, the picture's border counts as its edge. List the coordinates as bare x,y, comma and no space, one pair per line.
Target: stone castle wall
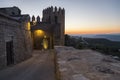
11,11
56,16
15,32
11,29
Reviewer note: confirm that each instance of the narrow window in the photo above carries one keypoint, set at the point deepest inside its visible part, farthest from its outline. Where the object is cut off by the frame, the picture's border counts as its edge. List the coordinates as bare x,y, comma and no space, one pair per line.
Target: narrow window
56,19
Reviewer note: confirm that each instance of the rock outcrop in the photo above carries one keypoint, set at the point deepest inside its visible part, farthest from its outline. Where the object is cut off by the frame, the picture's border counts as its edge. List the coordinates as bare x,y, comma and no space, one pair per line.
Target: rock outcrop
86,64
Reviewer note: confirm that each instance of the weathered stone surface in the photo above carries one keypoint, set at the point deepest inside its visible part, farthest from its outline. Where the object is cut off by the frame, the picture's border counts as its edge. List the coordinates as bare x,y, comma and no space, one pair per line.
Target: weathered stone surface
86,65
38,67
11,30
2,61
79,77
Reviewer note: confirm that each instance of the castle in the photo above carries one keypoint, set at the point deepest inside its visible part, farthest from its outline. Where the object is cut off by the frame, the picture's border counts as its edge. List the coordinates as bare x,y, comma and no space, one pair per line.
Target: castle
19,35
52,27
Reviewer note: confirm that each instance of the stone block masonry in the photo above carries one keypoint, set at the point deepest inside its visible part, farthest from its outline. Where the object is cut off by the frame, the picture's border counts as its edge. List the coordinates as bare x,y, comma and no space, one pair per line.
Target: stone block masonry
18,33
14,41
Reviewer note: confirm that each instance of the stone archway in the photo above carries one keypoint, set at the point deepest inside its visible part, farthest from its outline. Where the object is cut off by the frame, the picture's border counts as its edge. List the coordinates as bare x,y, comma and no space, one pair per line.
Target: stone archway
40,39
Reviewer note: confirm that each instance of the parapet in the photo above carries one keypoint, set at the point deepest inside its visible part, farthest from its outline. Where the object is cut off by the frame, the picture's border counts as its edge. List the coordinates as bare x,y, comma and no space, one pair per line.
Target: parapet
55,10
12,11
36,19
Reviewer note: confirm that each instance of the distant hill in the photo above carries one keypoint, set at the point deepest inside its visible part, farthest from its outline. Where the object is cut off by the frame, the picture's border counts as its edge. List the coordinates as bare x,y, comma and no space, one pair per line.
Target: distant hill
112,37
102,45
104,42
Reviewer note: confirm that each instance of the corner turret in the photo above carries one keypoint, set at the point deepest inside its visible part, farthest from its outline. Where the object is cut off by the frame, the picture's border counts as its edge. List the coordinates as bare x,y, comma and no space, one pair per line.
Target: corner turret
38,19
33,18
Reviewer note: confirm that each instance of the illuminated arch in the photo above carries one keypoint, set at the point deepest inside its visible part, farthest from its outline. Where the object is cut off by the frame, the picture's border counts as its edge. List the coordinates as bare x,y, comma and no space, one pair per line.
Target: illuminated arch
40,39
45,43
39,33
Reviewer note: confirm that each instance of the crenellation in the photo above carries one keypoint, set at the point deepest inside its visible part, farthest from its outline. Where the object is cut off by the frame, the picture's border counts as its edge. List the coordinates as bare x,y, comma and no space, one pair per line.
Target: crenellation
55,9
33,18
38,18
63,11
51,9
59,10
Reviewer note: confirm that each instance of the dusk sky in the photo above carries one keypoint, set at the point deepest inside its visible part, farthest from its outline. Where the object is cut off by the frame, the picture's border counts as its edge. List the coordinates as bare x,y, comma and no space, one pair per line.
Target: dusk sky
82,16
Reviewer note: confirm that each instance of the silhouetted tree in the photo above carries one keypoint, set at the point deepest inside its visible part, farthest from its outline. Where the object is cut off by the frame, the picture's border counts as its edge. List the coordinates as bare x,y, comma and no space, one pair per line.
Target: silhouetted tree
70,41
67,40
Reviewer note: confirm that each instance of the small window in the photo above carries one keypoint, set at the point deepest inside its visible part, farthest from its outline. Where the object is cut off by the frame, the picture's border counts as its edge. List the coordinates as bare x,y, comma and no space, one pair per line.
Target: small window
56,19
13,13
49,19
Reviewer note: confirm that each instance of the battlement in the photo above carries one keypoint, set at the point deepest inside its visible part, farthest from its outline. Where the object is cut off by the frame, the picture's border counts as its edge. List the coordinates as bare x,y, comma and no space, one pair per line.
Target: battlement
36,19
53,16
55,10
50,14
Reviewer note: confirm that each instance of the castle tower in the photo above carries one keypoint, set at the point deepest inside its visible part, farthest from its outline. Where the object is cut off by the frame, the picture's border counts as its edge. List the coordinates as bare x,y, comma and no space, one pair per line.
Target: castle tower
33,18
38,19
56,16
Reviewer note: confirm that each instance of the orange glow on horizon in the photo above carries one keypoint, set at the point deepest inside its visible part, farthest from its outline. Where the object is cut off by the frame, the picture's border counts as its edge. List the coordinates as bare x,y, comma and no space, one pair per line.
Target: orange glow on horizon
91,31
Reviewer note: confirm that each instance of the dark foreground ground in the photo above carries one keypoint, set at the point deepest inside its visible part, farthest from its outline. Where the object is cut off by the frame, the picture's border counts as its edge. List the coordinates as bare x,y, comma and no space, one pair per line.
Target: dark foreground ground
39,67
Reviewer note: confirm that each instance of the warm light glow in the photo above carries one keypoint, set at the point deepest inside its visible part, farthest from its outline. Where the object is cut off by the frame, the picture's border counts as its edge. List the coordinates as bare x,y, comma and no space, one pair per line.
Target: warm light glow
93,30
45,43
39,33
34,22
28,26
45,36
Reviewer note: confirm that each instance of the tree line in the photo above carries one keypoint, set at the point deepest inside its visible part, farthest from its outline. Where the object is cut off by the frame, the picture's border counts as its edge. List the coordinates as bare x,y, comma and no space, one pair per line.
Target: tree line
102,45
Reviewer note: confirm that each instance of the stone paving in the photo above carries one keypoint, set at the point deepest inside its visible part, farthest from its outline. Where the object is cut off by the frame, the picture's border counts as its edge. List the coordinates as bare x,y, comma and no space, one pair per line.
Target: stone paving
86,64
39,67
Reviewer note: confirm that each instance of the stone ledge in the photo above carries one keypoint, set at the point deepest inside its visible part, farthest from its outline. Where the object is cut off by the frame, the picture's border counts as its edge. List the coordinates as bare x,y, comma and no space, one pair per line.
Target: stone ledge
86,64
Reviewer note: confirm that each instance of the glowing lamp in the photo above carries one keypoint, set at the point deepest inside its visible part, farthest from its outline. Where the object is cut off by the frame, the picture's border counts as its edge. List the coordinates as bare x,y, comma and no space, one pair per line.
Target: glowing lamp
45,43
28,26
39,33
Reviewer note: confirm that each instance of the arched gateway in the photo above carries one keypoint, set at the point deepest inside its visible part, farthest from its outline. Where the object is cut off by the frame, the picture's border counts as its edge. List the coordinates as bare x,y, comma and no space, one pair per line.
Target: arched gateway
42,37
50,30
